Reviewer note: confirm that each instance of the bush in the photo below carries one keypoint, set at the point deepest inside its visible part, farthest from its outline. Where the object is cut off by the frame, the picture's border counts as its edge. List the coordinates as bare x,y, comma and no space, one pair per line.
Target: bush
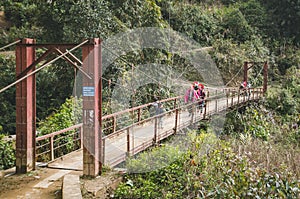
285,99
210,169
7,154
253,121
69,114
235,25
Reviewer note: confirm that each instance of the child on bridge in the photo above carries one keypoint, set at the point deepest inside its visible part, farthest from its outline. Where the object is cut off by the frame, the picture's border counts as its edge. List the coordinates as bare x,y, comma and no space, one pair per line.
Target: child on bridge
159,109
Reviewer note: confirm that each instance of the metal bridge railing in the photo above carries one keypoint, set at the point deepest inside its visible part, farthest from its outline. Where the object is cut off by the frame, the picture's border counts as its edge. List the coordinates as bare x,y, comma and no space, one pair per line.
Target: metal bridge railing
133,139
59,143
142,131
114,122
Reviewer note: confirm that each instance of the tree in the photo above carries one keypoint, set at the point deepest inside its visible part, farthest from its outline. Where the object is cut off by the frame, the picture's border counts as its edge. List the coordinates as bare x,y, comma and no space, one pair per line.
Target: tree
20,21
20,13
137,13
256,15
74,20
7,98
235,25
54,85
193,20
284,18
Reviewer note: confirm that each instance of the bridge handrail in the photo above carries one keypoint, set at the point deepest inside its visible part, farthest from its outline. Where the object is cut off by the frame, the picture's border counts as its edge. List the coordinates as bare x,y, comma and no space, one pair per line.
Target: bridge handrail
236,98
126,111
230,93
51,140
138,107
43,137
110,124
211,98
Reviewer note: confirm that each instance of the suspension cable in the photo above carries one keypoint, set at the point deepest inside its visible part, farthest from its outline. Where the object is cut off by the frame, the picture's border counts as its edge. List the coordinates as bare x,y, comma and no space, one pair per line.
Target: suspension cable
11,44
74,64
234,76
259,72
79,61
131,64
43,66
127,87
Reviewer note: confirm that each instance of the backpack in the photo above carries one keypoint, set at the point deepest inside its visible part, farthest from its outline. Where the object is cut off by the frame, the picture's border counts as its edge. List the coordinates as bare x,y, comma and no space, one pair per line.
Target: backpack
202,94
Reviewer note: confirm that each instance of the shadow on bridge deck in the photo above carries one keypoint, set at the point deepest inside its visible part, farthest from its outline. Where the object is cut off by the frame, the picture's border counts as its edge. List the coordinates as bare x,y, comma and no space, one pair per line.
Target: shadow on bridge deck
72,161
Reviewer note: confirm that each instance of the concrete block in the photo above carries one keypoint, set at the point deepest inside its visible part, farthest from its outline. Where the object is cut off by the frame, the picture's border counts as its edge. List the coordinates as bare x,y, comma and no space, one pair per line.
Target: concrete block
71,187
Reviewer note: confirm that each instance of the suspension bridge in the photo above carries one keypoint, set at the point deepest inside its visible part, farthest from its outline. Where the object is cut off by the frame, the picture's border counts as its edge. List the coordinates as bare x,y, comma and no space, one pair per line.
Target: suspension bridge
107,139
102,139
142,130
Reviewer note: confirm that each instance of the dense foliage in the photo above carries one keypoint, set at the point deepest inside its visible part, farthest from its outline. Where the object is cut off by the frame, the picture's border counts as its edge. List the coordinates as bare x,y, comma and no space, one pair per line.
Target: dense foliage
258,154
7,153
7,99
210,169
238,31
69,114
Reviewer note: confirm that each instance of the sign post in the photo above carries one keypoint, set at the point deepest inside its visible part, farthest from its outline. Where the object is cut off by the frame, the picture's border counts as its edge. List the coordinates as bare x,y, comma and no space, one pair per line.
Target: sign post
92,102
25,108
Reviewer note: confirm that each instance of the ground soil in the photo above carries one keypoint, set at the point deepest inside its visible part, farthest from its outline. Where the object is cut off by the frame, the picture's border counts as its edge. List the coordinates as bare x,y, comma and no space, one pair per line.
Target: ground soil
101,187
13,186
22,186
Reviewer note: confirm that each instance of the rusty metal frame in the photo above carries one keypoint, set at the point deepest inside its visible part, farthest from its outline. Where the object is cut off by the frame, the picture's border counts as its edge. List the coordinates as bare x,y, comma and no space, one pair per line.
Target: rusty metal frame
26,63
265,73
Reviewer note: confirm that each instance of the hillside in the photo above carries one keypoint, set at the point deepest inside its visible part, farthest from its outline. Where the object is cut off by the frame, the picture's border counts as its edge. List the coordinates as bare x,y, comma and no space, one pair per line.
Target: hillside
236,31
257,153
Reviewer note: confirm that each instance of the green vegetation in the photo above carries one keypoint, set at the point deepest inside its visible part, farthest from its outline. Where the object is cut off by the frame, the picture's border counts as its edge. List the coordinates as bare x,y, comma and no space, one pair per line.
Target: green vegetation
257,154
7,154
7,100
70,113
210,169
238,31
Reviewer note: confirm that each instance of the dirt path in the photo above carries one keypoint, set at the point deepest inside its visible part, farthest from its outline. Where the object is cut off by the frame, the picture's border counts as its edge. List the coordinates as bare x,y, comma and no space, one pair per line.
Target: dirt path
42,183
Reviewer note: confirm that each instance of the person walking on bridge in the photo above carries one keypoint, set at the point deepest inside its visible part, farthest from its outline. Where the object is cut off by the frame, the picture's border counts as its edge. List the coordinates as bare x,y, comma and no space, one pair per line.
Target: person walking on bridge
159,110
192,95
202,96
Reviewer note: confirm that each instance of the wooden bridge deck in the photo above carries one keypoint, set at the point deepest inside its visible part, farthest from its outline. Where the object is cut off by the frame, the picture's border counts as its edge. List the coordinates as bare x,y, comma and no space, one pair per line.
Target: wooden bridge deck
140,136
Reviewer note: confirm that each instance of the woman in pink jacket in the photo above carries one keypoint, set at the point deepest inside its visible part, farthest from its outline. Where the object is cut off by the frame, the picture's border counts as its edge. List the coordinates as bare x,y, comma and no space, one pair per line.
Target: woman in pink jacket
192,95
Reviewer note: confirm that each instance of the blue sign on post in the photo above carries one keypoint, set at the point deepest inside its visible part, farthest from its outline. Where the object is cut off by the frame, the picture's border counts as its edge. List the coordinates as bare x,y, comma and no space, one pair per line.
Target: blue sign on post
88,91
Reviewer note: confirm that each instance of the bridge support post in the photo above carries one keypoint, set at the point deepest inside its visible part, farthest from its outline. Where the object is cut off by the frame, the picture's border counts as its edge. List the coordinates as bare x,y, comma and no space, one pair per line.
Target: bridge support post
265,85
176,119
208,104
155,131
128,142
205,108
25,108
227,98
246,71
92,114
